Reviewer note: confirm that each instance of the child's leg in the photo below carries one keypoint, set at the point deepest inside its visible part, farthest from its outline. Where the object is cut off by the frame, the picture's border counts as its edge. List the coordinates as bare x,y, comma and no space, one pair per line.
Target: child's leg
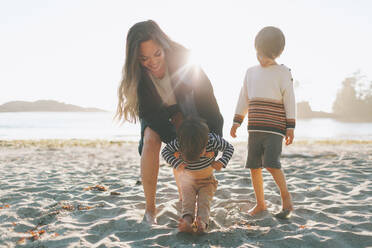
206,192
273,149
254,163
177,178
257,181
188,206
185,224
279,178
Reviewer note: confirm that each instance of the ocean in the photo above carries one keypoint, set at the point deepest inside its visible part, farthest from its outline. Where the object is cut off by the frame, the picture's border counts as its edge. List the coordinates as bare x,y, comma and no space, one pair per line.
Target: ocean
100,125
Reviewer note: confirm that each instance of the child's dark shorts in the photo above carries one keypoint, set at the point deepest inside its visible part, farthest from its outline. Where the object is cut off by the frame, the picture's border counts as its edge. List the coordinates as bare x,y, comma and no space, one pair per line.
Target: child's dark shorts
264,150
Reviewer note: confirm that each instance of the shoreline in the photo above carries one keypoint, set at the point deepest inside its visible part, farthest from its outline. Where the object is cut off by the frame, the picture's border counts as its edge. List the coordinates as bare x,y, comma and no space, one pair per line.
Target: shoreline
55,143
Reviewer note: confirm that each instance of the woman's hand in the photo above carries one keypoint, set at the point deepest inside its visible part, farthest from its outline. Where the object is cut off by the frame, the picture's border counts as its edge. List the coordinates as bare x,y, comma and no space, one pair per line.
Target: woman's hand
177,154
208,154
177,119
181,167
233,130
217,165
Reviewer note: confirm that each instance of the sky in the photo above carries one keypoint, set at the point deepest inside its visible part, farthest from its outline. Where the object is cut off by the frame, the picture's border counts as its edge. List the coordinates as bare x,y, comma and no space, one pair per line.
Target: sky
73,50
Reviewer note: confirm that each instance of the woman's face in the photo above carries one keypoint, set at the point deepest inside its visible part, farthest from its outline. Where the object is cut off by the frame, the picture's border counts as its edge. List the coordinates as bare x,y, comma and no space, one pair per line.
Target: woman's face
152,57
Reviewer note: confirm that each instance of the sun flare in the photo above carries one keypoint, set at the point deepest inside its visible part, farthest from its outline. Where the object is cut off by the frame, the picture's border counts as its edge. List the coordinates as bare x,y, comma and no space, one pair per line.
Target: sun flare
194,58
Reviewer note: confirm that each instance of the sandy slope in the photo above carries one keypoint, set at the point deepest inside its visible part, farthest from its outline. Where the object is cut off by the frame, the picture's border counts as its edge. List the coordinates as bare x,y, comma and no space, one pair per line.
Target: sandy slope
44,187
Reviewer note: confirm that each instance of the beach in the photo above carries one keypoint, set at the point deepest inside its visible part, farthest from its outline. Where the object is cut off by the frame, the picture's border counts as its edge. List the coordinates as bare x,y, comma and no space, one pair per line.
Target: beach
88,193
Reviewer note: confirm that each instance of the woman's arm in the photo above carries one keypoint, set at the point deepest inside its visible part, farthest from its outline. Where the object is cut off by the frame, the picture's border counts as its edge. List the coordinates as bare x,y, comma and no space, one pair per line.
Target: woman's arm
205,101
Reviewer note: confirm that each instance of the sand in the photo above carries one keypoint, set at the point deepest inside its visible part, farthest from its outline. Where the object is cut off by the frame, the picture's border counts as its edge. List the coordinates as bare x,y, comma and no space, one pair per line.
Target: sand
49,198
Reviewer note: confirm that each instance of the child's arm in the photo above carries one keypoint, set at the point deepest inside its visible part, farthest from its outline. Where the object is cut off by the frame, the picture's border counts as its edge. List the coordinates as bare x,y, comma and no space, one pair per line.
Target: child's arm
241,108
289,136
169,155
233,129
290,108
225,147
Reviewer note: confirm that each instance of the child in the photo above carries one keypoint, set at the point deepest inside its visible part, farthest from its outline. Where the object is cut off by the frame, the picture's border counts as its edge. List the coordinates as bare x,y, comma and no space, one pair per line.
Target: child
267,96
193,153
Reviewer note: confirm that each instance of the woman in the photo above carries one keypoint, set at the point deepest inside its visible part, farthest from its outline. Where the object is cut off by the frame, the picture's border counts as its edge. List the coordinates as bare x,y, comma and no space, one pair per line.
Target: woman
160,88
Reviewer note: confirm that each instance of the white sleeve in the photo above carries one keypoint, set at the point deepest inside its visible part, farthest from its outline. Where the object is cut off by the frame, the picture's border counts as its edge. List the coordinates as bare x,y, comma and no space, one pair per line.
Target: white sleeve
241,109
289,100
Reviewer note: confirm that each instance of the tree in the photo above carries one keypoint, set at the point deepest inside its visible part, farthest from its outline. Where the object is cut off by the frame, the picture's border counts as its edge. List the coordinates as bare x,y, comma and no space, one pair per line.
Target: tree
354,100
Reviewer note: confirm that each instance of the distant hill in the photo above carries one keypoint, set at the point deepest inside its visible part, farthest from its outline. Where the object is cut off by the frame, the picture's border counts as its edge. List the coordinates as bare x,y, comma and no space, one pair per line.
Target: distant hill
44,106
304,112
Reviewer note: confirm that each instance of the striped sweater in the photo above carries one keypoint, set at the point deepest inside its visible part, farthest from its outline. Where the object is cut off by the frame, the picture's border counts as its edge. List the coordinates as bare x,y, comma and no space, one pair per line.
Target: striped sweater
268,97
215,143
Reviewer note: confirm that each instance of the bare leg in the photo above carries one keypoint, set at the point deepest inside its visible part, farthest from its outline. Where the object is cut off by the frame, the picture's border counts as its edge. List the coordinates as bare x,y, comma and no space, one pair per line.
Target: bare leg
176,177
257,181
149,171
279,178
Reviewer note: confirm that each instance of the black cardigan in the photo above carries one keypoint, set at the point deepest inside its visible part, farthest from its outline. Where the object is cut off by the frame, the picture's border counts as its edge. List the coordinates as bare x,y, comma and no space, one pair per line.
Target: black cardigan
188,82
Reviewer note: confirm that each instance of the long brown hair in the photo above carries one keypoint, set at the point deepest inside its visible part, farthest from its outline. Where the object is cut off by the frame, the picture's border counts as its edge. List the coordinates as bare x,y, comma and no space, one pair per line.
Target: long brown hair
127,109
